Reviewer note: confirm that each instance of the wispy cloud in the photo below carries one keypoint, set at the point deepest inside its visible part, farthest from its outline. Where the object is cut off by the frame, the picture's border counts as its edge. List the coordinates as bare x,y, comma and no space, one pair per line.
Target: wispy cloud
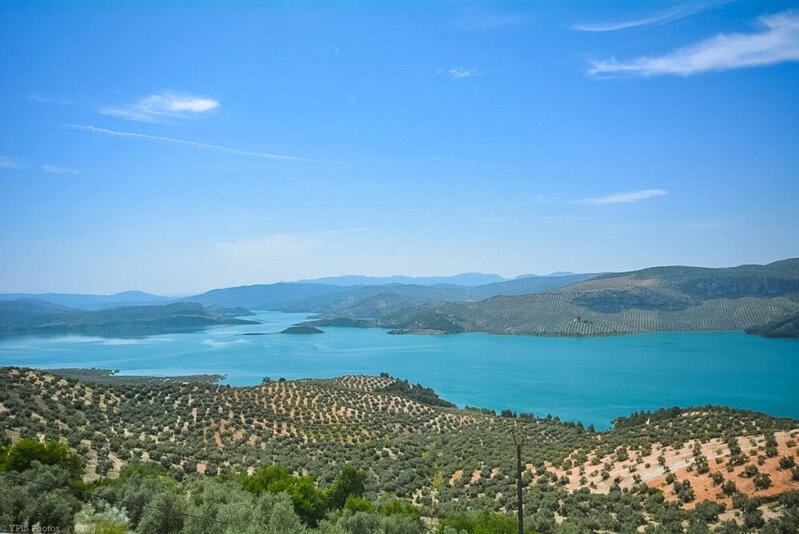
56,169
492,220
472,19
44,99
463,72
709,225
176,141
777,42
659,17
277,247
8,163
628,197
157,106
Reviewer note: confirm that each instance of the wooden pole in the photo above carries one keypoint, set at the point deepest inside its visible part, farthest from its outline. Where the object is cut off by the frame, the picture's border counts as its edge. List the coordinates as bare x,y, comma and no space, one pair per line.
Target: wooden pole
519,500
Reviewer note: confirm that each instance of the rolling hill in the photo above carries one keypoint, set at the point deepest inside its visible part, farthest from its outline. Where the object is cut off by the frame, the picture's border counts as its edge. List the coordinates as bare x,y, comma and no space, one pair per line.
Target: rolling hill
91,302
654,299
35,317
365,300
262,296
658,470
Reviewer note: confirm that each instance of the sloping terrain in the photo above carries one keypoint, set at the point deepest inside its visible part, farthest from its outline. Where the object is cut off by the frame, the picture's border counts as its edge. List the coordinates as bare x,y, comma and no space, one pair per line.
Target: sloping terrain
34,317
91,302
442,459
262,296
656,299
788,327
372,299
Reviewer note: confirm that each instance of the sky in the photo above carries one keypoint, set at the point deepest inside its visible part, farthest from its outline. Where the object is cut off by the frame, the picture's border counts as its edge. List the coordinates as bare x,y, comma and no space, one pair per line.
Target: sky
178,147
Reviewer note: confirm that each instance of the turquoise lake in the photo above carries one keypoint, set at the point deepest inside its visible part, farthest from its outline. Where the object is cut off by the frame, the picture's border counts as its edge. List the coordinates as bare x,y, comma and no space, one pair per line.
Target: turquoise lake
592,380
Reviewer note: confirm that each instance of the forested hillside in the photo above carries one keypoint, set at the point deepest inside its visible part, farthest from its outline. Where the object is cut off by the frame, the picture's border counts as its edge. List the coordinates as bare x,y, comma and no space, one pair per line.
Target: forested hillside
655,299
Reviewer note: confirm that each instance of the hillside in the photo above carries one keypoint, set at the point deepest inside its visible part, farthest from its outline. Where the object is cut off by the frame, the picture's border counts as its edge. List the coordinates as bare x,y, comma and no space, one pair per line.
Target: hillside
367,300
670,467
33,317
788,327
372,301
655,299
91,302
262,296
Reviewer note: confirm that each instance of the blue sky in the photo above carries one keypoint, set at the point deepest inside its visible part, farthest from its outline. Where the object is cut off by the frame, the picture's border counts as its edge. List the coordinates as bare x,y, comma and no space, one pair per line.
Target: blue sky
176,149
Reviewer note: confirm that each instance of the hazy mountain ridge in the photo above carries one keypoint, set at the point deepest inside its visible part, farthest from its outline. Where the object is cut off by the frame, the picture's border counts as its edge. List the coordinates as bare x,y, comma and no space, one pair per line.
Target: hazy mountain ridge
462,279
667,298
325,299
90,301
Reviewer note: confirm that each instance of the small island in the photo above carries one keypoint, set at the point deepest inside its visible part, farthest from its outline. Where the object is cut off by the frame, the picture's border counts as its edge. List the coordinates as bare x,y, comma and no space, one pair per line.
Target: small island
302,330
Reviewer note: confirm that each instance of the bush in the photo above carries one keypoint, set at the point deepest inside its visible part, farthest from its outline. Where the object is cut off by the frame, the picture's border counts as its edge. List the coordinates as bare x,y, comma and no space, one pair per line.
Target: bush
479,523
358,504
398,507
762,481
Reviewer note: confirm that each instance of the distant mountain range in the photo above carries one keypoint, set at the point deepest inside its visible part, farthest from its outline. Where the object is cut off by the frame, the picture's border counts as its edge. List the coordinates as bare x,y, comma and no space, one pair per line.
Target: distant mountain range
463,279
761,299
91,302
357,301
654,299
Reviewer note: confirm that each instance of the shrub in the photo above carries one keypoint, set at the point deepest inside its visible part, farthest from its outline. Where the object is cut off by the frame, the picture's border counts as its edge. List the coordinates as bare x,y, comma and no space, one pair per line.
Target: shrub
479,523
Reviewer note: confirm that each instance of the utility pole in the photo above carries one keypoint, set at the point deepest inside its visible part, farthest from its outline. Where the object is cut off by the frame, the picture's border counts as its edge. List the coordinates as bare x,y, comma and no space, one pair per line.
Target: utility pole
519,502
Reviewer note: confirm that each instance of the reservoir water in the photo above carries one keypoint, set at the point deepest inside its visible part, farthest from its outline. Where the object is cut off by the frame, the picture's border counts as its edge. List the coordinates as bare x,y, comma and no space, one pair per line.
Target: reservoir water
592,380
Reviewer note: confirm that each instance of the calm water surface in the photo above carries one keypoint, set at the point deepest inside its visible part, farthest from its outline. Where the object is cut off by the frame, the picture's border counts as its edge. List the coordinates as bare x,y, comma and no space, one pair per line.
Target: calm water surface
592,380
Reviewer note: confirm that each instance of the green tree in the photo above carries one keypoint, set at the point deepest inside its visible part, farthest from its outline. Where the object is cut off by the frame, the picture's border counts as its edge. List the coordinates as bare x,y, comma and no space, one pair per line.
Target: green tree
349,483
164,515
19,457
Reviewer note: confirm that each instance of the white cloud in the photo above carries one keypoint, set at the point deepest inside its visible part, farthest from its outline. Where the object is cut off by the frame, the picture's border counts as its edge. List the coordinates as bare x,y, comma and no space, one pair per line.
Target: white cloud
625,198
660,17
157,106
463,72
55,169
776,43
9,163
177,141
